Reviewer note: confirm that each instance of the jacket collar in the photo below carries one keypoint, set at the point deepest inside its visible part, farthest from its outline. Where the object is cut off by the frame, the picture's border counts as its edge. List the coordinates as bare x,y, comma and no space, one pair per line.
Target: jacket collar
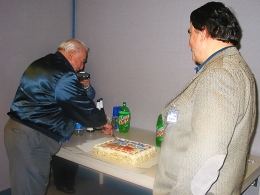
67,63
228,51
200,66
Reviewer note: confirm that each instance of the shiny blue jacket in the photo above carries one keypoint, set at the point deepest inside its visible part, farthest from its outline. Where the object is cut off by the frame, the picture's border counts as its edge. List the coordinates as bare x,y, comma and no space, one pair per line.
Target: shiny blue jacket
50,99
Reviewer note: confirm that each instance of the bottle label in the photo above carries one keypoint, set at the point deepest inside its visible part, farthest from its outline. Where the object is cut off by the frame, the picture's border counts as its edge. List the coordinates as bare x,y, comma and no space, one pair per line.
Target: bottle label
114,123
160,132
123,119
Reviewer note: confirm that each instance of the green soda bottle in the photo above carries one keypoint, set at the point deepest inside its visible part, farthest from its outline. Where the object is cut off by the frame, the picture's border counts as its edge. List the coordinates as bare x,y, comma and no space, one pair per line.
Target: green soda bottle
159,131
124,117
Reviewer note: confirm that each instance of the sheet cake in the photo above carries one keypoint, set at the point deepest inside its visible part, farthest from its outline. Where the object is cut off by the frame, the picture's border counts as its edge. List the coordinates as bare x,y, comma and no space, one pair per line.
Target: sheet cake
125,151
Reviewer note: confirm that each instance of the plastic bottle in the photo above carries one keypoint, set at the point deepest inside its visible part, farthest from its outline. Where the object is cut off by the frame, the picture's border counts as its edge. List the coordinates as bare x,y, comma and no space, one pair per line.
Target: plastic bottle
114,121
79,130
90,129
124,117
98,104
159,131
101,105
98,107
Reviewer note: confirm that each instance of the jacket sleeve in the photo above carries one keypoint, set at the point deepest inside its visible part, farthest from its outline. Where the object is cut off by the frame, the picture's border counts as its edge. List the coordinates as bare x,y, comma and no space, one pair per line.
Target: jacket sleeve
90,91
75,103
214,118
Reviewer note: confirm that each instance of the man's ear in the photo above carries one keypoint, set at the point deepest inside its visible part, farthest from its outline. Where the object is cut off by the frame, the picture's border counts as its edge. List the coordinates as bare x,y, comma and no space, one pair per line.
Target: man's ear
72,53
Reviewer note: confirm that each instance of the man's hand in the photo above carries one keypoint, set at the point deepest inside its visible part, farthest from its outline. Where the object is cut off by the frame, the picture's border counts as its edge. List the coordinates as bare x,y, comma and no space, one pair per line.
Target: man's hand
85,83
107,129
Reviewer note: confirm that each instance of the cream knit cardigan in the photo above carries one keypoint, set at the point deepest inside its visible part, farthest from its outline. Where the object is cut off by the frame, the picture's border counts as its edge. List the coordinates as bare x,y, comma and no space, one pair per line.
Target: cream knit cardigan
205,151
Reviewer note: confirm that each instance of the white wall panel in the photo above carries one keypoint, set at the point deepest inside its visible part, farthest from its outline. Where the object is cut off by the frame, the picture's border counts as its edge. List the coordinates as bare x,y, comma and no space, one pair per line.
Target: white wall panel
29,30
139,51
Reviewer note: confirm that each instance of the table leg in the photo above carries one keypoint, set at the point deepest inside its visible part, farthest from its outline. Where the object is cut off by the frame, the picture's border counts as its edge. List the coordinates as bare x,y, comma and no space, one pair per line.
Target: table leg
101,178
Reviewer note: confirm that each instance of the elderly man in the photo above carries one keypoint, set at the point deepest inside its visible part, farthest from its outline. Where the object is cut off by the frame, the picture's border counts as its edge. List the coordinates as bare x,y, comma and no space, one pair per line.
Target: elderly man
208,125
48,103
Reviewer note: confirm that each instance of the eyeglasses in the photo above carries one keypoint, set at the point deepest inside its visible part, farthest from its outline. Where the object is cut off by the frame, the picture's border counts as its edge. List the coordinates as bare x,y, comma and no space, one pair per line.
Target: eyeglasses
84,62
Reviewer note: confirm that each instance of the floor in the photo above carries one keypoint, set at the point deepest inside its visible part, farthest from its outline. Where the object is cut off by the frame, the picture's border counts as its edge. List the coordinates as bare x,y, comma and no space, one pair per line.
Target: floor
86,186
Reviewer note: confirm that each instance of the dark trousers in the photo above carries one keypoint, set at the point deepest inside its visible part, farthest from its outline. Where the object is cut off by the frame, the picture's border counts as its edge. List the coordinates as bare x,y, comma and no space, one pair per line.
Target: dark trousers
29,153
64,171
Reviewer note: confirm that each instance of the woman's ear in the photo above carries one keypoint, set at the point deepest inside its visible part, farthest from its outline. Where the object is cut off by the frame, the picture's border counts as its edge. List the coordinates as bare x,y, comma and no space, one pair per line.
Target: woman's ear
203,34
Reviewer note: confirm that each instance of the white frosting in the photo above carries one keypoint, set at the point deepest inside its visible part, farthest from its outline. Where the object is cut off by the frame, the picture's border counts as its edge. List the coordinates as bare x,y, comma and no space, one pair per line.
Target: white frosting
125,151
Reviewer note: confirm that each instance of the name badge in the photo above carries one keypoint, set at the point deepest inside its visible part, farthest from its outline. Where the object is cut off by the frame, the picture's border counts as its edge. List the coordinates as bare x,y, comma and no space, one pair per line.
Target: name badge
172,116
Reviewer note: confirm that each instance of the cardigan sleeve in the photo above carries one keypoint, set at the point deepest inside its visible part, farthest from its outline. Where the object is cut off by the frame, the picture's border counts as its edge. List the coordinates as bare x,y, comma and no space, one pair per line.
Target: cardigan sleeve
213,122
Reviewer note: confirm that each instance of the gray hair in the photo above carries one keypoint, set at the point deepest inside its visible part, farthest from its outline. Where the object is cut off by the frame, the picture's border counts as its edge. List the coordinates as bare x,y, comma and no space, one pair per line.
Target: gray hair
72,44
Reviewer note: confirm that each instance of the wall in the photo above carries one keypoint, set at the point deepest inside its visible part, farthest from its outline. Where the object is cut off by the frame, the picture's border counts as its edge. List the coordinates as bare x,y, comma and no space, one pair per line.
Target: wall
139,50
29,30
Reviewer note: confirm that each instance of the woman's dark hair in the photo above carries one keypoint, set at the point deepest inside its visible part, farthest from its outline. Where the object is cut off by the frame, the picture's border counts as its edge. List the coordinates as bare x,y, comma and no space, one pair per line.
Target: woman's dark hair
218,20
